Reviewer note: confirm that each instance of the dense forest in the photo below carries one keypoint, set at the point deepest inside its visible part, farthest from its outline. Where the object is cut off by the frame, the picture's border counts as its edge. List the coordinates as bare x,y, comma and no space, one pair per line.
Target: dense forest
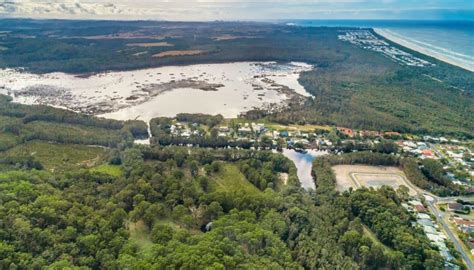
156,208
352,87
67,204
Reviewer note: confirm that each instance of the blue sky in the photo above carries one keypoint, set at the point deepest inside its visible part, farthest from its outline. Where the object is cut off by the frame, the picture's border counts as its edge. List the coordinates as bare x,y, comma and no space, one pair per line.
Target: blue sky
240,10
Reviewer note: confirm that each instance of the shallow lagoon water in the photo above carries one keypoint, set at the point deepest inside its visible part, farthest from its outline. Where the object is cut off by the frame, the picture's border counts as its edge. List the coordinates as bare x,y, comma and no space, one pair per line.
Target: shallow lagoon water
304,164
123,95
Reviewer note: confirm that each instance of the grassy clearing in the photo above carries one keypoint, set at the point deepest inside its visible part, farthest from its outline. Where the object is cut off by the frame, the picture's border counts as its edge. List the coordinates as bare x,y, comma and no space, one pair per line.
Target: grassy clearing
60,157
374,239
230,179
140,234
113,170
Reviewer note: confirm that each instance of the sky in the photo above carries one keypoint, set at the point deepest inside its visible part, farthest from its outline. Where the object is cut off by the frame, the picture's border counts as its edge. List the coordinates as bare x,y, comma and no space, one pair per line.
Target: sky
199,10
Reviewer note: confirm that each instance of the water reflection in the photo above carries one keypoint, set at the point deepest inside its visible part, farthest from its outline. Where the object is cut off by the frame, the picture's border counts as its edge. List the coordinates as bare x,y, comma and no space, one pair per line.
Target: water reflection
303,162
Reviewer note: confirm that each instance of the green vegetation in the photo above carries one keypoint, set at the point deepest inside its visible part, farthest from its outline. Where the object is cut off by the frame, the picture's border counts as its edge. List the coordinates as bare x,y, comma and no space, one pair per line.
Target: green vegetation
353,87
230,179
161,212
66,203
113,170
56,157
21,123
382,213
72,205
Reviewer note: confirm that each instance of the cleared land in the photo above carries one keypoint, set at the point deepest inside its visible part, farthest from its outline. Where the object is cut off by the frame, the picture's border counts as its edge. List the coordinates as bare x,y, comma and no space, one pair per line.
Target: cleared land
150,44
230,179
178,53
357,176
58,157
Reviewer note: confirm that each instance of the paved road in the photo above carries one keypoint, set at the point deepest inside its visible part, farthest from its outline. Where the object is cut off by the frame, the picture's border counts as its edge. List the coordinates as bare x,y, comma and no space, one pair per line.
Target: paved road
457,244
439,217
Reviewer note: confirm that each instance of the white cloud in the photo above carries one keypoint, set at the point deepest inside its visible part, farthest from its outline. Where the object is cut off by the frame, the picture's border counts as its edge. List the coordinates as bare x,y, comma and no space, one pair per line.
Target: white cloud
210,9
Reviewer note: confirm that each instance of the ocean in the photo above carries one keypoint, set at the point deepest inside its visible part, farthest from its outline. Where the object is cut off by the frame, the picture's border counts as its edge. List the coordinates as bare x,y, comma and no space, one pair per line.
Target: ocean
449,41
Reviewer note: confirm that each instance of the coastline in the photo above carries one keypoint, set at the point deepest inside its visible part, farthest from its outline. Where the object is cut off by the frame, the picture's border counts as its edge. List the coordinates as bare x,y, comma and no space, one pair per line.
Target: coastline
386,34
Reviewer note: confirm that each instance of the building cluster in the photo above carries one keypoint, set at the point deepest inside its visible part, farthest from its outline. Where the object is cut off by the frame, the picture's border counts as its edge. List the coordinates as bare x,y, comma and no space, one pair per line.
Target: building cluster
417,148
460,217
367,40
429,226
458,159
185,130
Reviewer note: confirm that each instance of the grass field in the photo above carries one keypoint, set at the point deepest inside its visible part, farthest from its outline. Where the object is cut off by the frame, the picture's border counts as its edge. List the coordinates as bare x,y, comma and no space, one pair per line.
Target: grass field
58,157
230,179
113,170
140,234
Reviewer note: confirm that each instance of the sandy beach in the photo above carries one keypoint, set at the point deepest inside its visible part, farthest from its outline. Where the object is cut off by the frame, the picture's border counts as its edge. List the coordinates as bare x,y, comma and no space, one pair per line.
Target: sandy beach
450,60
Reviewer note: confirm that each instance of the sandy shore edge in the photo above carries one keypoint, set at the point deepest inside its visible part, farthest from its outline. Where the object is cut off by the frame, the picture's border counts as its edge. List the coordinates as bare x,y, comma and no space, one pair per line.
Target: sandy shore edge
420,49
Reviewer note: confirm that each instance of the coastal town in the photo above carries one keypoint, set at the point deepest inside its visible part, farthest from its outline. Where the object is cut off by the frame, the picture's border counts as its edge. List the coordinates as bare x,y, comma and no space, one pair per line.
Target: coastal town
367,40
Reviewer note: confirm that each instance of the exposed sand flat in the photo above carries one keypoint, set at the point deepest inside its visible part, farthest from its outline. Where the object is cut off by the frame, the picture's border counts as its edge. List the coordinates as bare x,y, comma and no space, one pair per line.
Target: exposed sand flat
423,49
178,53
357,176
228,89
151,44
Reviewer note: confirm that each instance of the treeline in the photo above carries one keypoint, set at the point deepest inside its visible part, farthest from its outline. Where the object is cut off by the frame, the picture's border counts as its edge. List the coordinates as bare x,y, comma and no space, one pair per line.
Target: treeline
37,122
26,163
430,177
202,141
203,119
161,133
262,173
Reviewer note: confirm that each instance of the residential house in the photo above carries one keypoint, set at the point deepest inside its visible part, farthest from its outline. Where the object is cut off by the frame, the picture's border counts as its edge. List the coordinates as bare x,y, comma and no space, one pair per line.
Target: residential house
420,208
463,225
454,206
346,131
